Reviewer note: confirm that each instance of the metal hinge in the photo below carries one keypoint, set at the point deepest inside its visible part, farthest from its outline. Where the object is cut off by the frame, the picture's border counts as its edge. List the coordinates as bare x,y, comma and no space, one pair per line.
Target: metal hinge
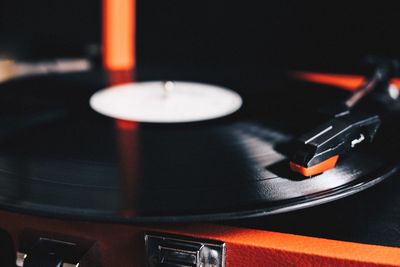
182,251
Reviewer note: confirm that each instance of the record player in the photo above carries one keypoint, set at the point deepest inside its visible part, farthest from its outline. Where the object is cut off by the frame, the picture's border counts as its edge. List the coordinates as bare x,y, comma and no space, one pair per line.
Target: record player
100,167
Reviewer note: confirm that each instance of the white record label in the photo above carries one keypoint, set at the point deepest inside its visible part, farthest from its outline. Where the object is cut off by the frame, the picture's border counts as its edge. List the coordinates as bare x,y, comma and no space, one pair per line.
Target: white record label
165,102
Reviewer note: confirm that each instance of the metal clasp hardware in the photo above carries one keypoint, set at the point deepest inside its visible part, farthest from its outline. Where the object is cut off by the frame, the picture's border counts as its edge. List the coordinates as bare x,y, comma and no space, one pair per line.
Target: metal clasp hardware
50,252
182,251
22,256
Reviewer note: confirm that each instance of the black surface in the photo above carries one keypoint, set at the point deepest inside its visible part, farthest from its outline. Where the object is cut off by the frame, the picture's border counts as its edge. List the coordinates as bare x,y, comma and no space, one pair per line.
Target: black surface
81,165
7,249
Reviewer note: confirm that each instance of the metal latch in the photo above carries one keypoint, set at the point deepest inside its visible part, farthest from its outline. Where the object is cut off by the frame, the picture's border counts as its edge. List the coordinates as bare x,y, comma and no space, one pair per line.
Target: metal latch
49,252
182,251
42,249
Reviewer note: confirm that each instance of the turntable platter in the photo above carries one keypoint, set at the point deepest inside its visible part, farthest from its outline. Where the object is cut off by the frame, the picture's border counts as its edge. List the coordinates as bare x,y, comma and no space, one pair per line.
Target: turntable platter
84,165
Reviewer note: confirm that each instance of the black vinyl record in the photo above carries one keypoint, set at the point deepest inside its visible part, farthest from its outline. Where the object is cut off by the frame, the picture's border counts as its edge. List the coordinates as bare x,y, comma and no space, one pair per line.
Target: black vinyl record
58,157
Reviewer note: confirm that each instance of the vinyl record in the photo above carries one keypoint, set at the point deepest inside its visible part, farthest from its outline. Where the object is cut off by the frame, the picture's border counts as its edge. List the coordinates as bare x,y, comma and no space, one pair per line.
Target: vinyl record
60,158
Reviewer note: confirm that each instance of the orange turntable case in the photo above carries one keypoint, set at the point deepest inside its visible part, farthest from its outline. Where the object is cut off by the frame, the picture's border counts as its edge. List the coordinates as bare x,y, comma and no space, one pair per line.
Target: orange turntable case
123,245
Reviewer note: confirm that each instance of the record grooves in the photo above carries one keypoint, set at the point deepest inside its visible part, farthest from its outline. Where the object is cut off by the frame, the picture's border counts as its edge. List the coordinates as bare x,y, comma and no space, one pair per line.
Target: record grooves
83,165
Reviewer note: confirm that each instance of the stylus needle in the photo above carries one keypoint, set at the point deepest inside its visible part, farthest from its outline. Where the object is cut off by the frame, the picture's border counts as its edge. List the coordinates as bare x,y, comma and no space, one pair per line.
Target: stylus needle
319,149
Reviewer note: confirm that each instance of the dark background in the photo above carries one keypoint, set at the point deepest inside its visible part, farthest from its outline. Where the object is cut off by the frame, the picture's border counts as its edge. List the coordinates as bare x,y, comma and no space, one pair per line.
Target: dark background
212,35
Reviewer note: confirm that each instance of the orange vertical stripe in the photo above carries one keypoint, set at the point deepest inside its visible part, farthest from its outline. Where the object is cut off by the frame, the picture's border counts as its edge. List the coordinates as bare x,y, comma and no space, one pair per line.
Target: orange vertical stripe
119,34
